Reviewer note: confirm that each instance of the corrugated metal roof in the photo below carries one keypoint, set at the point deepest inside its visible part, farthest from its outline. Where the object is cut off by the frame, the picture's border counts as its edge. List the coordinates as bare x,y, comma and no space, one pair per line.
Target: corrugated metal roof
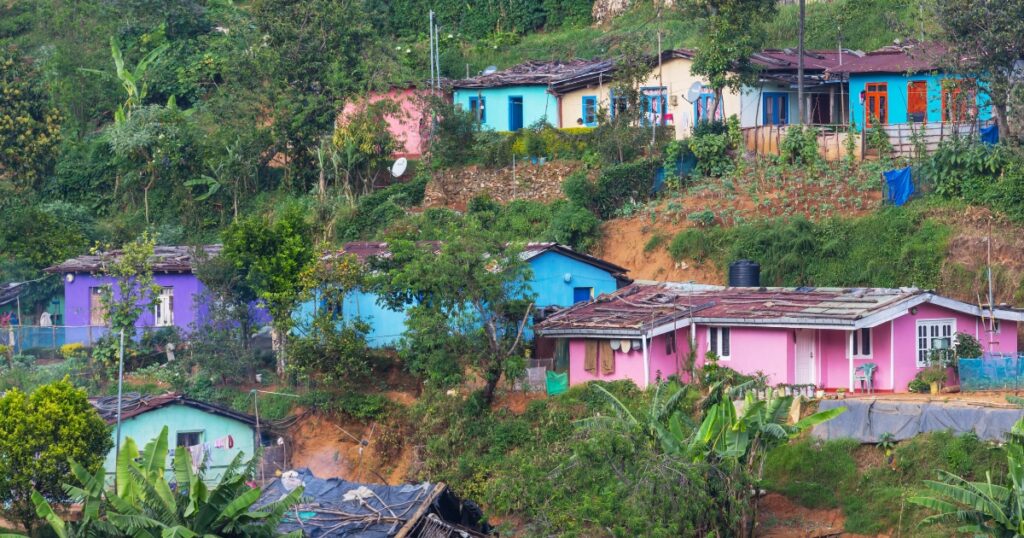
140,405
531,72
643,307
166,259
814,60
912,57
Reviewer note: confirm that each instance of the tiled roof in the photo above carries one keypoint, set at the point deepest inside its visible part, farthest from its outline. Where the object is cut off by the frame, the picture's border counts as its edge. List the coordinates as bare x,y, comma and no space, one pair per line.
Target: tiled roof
166,259
640,308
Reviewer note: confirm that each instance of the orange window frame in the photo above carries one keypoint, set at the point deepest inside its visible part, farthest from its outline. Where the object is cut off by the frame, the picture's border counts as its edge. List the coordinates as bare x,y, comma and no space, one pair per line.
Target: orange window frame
876,102
917,100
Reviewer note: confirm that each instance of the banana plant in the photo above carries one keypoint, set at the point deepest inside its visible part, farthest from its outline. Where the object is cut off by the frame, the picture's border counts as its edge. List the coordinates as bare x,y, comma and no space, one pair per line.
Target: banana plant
145,504
132,80
982,508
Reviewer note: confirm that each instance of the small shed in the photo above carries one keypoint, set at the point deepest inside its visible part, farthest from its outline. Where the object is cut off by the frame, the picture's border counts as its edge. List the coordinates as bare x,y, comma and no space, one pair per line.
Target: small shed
213,433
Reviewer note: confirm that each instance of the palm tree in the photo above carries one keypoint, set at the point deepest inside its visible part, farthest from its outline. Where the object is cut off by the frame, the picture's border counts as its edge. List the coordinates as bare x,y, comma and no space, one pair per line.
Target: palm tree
146,505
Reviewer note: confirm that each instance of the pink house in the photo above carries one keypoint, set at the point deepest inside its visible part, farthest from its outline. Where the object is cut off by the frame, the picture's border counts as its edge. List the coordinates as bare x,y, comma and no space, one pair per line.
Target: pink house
409,127
794,335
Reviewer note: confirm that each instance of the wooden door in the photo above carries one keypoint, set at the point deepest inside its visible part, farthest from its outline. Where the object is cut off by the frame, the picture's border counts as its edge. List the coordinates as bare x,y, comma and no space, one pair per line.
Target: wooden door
804,357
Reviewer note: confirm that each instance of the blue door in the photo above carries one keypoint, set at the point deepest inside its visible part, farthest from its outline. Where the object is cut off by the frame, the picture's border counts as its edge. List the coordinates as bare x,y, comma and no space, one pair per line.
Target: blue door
775,108
515,113
582,295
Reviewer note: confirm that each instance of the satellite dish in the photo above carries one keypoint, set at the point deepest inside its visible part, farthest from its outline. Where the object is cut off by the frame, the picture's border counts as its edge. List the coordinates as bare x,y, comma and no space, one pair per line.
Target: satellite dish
490,69
695,90
399,167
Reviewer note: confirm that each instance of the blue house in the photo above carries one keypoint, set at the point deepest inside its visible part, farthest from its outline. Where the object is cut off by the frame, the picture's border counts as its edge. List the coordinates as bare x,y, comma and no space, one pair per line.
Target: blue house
907,84
561,278
519,96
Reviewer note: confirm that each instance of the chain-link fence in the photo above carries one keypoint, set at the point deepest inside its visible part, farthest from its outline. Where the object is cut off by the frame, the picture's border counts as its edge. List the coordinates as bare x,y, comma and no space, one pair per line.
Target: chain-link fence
992,372
37,338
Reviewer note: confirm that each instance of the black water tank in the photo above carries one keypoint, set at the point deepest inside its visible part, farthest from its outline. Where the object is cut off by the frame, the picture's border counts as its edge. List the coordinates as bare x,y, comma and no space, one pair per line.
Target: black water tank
745,274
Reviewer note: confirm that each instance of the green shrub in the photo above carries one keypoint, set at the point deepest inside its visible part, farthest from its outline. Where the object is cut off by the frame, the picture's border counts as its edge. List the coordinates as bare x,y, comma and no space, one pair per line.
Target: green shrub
812,473
655,242
580,190
622,183
691,244
574,225
800,145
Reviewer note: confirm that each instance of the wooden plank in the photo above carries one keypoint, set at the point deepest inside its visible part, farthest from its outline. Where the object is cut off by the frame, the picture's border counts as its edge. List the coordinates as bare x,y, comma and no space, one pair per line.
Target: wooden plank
410,525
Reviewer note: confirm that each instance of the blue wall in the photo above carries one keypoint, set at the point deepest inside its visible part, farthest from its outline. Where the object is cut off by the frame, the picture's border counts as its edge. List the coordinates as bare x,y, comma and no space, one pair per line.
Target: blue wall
898,83
548,283
537,104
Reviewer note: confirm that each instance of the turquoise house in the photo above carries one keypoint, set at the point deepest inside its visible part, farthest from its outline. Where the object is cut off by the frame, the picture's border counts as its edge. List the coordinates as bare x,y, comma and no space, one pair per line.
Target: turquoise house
221,433
561,277
519,96
906,84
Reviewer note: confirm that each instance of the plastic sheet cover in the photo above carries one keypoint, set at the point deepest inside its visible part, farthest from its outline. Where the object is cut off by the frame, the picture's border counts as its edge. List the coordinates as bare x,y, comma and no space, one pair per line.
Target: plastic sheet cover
866,419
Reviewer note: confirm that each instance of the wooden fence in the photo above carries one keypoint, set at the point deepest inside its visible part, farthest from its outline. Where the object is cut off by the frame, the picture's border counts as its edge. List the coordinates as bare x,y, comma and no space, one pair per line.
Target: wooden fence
906,138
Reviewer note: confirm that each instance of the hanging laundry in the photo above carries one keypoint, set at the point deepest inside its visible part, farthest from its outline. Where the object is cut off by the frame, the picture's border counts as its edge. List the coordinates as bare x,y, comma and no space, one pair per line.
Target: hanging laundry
198,453
224,442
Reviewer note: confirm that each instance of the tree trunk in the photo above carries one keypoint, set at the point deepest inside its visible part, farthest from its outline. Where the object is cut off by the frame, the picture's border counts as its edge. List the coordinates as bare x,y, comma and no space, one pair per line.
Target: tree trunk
493,376
1001,121
277,343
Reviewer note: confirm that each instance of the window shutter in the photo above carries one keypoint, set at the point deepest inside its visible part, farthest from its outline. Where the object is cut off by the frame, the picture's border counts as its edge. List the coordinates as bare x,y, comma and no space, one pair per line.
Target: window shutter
713,332
725,342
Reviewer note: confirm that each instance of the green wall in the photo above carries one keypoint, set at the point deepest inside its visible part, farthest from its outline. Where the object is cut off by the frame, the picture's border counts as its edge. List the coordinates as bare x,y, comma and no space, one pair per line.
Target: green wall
182,418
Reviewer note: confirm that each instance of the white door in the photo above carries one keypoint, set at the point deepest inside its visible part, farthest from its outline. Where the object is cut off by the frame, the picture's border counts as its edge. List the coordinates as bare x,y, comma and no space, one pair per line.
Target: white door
804,357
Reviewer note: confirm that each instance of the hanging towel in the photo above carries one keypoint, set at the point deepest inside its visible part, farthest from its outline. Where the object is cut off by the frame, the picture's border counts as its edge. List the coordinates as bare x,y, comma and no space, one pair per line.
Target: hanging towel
231,442
607,358
197,452
221,443
590,356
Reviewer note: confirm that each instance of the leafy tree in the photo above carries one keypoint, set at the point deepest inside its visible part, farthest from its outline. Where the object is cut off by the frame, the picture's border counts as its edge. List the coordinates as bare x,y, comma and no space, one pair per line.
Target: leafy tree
269,256
29,127
131,79
984,41
146,503
364,146
39,432
729,31
473,292
133,292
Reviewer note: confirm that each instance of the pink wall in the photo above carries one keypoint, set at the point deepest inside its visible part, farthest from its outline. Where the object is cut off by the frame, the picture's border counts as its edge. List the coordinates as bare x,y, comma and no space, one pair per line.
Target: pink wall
771,350
627,366
406,126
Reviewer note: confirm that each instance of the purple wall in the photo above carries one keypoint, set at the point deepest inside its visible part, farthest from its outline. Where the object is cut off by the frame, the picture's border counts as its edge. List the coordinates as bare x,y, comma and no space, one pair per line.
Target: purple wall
187,288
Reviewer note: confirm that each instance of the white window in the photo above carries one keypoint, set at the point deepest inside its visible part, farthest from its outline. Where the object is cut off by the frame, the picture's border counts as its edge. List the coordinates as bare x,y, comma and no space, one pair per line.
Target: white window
932,335
718,342
861,344
163,309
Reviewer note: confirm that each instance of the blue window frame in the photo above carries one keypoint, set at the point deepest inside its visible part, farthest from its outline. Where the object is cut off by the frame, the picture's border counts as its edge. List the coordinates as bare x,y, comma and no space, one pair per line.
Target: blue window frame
775,108
702,107
478,106
654,105
589,115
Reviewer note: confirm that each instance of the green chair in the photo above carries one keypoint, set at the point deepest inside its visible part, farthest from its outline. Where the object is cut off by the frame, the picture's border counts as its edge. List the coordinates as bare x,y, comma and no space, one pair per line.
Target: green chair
864,375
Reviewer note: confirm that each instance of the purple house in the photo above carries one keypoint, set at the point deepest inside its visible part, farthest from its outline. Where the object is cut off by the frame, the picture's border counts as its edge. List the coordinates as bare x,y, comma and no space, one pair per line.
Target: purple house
177,303
798,336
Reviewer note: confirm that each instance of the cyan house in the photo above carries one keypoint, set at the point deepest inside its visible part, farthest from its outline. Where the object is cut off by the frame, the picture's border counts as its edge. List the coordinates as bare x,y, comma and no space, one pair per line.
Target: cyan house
177,303
213,434
561,278
519,96
907,84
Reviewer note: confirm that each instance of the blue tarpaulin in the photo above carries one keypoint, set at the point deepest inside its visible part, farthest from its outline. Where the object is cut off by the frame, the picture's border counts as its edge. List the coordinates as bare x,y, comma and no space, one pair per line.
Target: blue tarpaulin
990,135
901,185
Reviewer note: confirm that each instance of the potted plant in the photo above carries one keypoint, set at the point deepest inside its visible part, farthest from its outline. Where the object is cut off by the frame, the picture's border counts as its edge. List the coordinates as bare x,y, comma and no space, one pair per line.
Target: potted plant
934,376
841,393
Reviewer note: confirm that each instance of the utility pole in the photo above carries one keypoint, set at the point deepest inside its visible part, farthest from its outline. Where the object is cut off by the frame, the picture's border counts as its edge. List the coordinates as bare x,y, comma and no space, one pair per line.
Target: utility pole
120,387
800,70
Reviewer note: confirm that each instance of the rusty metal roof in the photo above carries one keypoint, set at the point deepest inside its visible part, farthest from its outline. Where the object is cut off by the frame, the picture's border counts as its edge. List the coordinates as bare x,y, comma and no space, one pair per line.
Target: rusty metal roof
364,250
640,308
135,405
912,57
166,259
769,60
532,73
